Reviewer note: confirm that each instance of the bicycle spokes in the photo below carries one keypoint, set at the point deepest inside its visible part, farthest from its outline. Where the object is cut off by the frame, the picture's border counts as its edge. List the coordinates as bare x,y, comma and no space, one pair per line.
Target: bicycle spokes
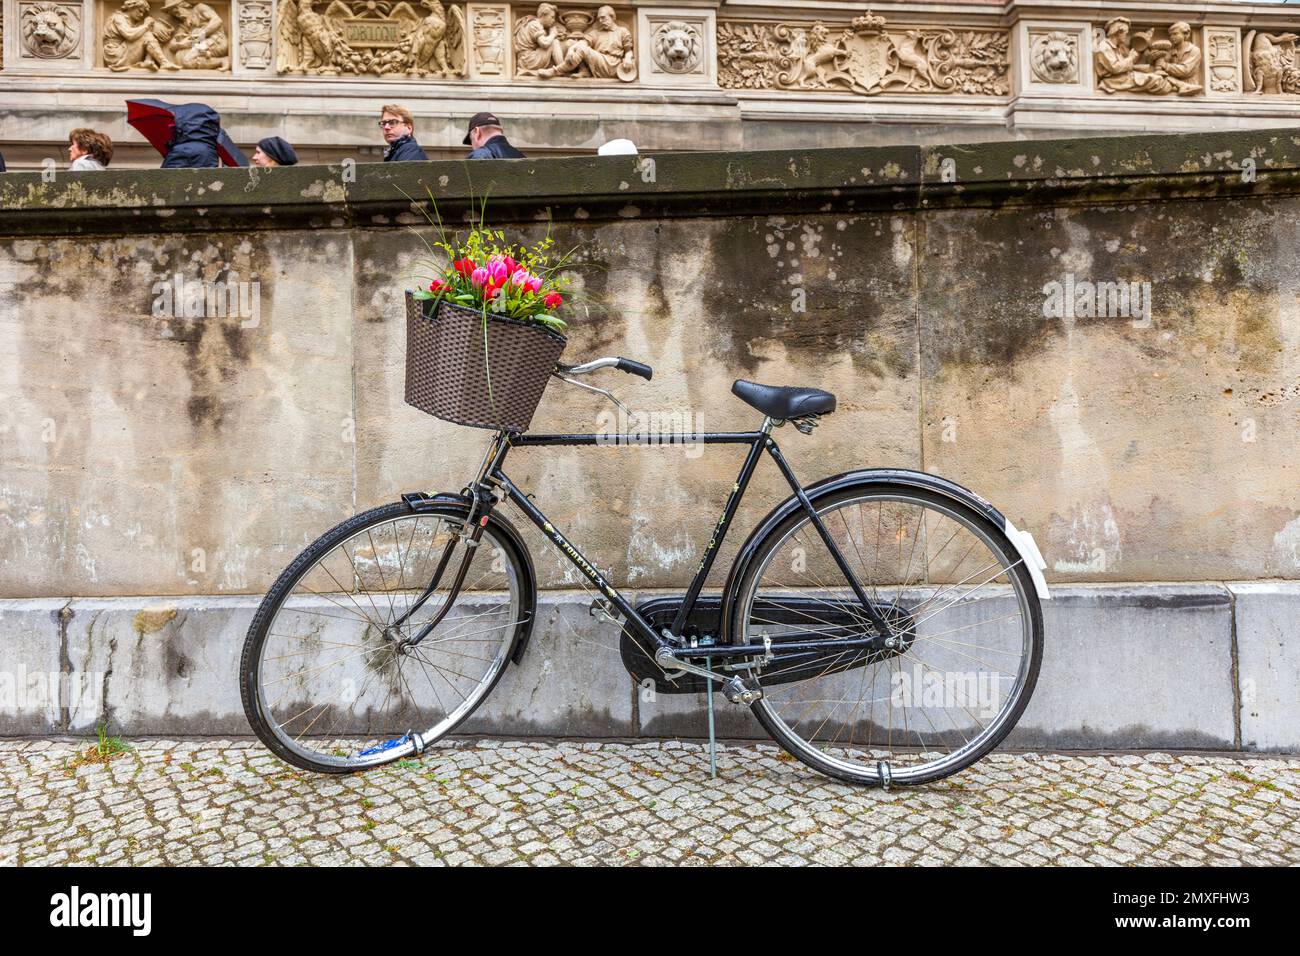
342,677
931,690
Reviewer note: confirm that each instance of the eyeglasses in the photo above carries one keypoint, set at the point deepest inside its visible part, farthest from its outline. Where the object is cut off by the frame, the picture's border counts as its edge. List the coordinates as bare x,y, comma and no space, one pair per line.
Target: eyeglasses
387,123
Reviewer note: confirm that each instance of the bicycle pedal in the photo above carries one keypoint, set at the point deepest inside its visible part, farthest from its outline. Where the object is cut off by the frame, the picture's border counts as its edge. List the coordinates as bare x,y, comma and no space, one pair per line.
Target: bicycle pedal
740,690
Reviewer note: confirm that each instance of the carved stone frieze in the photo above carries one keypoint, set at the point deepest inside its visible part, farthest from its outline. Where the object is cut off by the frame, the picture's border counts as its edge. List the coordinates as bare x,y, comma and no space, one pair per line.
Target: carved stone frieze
867,57
1155,60
255,36
171,35
378,37
1054,56
49,30
489,41
1270,63
574,43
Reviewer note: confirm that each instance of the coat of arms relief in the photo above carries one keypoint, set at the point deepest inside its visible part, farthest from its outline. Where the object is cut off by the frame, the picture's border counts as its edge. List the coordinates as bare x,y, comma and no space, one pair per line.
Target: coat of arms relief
866,57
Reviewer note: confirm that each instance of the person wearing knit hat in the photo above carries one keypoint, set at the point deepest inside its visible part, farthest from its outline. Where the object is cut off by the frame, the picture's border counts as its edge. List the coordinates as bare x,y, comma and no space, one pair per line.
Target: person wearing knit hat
273,151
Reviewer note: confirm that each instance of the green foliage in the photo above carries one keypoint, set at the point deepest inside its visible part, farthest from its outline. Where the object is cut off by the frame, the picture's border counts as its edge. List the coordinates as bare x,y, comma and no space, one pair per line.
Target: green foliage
482,270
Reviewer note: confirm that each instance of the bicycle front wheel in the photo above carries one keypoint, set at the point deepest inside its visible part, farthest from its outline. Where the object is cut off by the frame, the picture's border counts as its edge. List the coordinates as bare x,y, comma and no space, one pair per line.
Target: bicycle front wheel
355,660
949,680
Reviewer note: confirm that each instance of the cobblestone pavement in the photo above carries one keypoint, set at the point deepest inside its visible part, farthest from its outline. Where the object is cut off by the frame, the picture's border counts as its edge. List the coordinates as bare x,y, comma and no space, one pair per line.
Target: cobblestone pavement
494,802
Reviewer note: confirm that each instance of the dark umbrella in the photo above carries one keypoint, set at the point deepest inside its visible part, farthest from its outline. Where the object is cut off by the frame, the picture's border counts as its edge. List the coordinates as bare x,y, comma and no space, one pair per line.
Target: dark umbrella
156,121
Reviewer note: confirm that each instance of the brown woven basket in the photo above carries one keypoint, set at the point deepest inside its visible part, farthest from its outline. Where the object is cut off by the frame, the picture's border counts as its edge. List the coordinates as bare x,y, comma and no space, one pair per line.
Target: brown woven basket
447,373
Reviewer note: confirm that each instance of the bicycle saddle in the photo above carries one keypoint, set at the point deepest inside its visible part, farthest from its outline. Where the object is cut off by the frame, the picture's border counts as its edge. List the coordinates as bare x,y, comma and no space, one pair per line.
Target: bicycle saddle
783,401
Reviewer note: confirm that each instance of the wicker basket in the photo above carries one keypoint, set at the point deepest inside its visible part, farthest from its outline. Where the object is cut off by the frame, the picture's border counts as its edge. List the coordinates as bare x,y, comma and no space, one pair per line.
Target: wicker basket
447,373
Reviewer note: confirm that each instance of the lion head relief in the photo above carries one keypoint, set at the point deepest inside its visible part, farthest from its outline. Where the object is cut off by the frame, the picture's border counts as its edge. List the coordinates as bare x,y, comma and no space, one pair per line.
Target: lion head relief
50,30
1055,58
677,47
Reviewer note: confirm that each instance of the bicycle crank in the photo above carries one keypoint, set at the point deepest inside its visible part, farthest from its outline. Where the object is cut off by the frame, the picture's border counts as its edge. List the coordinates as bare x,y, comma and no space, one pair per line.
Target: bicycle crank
738,690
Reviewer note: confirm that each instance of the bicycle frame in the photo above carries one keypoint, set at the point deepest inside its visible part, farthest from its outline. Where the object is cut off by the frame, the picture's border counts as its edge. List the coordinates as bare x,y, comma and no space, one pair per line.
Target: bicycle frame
491,475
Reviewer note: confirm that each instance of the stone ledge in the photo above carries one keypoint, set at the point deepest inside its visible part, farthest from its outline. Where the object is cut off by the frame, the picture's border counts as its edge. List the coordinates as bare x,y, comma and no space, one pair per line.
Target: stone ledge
1117,169
1141,666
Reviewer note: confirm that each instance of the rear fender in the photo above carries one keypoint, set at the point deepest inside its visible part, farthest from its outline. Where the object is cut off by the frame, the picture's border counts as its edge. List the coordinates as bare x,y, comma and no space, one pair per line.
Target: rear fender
870,478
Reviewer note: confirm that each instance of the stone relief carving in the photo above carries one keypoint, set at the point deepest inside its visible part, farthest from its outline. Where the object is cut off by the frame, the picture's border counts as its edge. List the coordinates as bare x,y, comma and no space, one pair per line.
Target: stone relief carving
186,35
50,31
1148,63
1223,59
255,34
677,46
1054,56
371,36
1269,62
865,58
574,44
489,40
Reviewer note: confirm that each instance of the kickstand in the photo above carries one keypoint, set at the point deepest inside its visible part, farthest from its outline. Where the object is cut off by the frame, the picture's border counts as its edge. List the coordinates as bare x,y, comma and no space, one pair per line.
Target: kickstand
713,740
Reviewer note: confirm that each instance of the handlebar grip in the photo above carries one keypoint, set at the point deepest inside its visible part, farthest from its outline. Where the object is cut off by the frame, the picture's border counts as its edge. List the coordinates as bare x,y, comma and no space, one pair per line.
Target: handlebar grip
635,368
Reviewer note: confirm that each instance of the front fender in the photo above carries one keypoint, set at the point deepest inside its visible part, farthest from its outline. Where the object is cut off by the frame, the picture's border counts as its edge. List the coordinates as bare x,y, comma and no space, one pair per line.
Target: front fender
1023,541
419,501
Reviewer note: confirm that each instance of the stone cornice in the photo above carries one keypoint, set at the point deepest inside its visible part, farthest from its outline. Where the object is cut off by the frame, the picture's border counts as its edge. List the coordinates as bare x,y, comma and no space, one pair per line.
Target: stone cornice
1111,170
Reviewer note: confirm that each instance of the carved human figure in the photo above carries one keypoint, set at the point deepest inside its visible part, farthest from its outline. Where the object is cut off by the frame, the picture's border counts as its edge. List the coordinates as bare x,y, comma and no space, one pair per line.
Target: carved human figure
1121,69
1183,63
604,52
537,42
131,39
200,40
1160,67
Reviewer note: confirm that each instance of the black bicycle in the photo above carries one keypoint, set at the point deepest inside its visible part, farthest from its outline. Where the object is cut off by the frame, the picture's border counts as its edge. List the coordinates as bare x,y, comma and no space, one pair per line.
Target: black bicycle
883,625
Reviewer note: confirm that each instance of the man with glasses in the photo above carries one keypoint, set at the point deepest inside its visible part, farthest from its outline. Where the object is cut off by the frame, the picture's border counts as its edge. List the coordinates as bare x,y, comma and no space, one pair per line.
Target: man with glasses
399,133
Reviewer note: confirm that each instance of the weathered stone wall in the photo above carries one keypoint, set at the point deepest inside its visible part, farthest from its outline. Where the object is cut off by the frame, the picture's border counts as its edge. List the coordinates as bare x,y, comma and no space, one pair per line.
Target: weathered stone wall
148,455
157,472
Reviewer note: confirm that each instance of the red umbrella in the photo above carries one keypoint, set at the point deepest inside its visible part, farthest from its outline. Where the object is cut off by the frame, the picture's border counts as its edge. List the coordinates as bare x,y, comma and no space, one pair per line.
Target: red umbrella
156,122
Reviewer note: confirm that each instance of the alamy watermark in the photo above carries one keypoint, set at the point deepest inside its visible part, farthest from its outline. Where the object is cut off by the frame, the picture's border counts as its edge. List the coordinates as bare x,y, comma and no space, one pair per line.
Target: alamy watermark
1072,298
181,298
681,427
24,691
973,691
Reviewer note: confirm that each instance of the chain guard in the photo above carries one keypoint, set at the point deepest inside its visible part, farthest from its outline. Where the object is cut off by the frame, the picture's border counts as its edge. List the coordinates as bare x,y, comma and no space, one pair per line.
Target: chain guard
705,622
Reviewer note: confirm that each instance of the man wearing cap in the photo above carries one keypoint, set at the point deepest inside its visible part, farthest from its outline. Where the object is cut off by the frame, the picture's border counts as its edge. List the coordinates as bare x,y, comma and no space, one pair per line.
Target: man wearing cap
273,151
488,139
399,133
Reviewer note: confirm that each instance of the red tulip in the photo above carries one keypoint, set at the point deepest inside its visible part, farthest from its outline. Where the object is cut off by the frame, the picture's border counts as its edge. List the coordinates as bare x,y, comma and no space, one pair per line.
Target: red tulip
437,285
463,266
553,300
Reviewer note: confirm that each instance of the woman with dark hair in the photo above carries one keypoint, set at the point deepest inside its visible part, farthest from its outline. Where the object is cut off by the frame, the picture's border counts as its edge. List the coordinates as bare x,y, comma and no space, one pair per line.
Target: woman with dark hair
273,151
88,149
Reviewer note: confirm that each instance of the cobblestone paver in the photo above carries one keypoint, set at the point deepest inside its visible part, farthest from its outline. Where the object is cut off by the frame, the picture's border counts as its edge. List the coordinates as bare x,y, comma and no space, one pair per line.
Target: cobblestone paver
493,802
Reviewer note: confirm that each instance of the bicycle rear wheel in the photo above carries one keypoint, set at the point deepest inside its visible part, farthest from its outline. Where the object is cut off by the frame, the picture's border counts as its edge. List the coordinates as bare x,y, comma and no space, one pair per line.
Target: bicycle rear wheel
957,668
332,678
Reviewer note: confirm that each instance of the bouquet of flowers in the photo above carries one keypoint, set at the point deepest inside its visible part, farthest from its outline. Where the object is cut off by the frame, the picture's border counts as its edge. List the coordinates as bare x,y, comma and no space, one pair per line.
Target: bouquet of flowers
485,273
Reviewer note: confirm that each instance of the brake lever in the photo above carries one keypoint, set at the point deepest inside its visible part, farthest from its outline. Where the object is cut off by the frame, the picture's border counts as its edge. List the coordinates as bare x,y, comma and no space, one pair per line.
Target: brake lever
592,388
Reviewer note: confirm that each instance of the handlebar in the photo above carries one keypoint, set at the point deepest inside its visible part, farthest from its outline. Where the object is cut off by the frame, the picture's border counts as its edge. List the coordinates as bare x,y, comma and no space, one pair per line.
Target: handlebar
622,364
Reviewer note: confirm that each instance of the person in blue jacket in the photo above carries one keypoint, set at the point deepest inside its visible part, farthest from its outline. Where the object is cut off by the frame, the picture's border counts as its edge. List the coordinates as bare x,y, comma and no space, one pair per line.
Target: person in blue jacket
399,133
194,142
